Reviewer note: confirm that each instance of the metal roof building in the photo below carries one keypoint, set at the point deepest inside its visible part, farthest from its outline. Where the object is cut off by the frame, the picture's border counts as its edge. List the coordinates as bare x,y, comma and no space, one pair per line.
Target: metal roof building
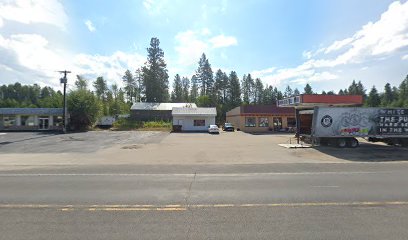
148,111
193,119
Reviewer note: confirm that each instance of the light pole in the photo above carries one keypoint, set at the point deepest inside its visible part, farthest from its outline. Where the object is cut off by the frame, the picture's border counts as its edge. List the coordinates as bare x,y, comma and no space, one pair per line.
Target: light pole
64,112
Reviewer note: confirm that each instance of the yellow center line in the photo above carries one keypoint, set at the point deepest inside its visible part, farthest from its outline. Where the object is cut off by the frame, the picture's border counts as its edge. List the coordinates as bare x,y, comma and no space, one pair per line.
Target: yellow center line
181,207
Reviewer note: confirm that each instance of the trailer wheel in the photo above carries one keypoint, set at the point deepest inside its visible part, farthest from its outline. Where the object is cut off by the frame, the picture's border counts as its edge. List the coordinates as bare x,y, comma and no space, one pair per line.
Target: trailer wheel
341,143
352,142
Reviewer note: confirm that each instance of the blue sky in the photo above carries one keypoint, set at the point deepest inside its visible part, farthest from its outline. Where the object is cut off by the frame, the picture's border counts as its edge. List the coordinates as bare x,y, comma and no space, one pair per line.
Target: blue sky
284,42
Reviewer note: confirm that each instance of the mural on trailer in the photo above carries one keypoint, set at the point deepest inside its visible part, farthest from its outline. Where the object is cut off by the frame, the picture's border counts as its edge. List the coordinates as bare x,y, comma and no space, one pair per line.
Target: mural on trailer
360,122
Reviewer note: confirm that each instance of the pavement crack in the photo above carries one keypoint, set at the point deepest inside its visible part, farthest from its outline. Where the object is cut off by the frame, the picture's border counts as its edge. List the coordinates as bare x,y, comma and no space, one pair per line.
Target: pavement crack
188,195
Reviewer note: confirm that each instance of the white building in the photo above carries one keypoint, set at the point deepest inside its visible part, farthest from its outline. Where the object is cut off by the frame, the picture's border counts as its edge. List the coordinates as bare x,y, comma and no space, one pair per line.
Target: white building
194,119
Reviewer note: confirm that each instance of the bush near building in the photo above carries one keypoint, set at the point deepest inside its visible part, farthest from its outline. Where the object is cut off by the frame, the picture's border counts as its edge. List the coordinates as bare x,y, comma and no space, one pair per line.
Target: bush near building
125,124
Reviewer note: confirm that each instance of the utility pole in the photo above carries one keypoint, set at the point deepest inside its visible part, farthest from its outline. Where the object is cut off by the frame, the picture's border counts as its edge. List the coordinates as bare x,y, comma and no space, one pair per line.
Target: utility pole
64,112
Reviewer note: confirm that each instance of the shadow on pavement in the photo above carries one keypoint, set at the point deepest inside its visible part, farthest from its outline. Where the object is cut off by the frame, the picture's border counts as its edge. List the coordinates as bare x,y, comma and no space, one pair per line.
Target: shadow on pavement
367,152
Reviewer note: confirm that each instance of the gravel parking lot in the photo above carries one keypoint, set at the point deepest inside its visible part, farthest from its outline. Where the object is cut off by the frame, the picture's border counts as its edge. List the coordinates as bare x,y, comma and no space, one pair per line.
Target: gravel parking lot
150,148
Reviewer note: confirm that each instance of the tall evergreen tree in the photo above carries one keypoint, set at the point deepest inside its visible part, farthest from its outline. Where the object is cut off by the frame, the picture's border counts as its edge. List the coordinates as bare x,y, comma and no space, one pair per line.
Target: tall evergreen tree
308,89
403,93
268,96
288,92
177,93
139,85
130,86
185,83
234,91
247,89
101,88
204,76
373,99
258,91
388,95
194,89
296,92
155,77
219,87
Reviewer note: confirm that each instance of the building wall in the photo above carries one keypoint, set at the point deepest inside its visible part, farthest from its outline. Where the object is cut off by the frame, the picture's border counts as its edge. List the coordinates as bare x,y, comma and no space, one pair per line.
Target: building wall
235,121
239,122
187,122
151,115
35,127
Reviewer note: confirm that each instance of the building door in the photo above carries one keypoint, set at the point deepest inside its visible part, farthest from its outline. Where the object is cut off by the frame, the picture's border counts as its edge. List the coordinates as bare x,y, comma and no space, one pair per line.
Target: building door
43,123
277,123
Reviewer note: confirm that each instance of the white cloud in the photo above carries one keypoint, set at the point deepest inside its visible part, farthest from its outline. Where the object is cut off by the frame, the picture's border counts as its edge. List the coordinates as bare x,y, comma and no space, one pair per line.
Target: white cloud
40,11
90,25
337,45
155,7
373,42
1,22
110,67
223,41
404,57
190,45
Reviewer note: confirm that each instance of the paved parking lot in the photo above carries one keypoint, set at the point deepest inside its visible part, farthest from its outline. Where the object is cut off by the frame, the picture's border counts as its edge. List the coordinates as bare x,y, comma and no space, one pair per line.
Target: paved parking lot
137,147
86,142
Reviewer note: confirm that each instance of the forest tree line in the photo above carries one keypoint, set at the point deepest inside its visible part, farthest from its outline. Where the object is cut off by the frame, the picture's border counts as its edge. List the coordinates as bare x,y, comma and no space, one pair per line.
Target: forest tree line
206,88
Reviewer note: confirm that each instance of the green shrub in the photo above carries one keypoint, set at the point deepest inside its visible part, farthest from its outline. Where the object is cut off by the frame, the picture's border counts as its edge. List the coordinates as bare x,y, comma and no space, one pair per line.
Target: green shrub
125,124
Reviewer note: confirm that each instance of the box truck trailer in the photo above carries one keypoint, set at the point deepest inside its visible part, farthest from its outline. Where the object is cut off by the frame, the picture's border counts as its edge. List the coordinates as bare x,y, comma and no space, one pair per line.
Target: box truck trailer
341,126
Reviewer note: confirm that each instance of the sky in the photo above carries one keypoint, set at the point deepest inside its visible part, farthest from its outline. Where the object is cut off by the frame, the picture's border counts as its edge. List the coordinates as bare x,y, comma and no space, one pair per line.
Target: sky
284,42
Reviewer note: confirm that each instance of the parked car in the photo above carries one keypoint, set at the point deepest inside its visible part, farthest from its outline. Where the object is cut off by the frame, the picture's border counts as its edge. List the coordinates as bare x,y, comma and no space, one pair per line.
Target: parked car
228,127
213,129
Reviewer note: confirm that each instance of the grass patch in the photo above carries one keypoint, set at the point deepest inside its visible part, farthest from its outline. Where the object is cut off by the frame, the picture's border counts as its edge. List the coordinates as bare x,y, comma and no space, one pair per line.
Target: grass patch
124,124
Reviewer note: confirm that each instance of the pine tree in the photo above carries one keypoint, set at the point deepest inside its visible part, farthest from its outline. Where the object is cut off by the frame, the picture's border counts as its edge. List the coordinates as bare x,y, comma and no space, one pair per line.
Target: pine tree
247,89
177,93
204,76
373,99
194,89
185,83
308,89
268,96
234,91
258,91
101,88
388,96
155,77
139,85
288,92
296,92
130,86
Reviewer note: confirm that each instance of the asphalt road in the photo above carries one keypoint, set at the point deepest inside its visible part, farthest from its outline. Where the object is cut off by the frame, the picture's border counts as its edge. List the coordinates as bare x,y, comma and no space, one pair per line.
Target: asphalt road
268,201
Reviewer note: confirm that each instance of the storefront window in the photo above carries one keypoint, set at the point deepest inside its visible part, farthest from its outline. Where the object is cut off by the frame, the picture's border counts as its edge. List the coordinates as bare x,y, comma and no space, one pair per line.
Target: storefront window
291,122
277,123
250,122
9,121
263,122
199,123
27,120
57,121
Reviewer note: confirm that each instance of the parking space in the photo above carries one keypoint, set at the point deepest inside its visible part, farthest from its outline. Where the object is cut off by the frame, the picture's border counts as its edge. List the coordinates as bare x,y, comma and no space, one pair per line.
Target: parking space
151,148
86,142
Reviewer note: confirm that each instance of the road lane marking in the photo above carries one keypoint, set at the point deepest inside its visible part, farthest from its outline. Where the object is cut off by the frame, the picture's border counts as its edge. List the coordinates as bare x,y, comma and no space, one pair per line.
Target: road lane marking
326,186
181,174
180,207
